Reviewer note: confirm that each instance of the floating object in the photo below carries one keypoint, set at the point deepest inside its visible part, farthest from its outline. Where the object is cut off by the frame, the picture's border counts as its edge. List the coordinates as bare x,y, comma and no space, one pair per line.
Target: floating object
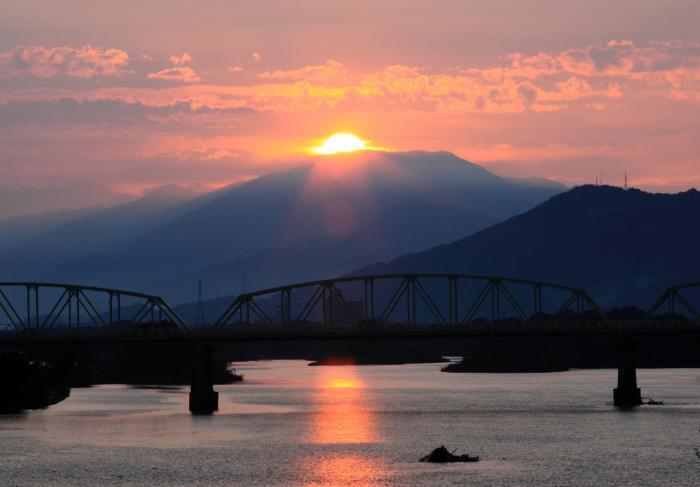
443,455
652,402
234,377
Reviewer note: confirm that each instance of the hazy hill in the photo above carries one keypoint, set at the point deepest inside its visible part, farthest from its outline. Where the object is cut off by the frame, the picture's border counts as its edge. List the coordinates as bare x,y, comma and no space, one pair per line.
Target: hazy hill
17,229
24,200
622,246
316,220
72,234
322,257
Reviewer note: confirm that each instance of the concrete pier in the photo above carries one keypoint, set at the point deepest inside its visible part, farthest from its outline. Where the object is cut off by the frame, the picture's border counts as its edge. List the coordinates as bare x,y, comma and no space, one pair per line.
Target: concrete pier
203,398
626,394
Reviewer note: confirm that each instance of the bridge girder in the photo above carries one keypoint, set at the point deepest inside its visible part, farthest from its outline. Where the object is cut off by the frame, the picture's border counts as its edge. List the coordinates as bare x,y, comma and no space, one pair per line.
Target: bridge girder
26,307
410,289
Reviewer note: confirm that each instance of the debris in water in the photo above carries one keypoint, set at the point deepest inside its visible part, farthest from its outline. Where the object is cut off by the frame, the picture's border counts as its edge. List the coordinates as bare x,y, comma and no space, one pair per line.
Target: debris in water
443,455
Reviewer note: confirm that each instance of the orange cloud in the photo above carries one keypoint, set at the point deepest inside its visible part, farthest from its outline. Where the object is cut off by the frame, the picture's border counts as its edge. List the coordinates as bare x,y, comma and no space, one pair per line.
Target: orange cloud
583,77
180,60
330,72
181,72
673,67
184,74
620,58
45,62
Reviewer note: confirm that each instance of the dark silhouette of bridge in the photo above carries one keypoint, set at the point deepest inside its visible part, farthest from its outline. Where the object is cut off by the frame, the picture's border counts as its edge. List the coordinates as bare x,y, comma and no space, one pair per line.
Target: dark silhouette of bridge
31,308
365,307
434,304
412,289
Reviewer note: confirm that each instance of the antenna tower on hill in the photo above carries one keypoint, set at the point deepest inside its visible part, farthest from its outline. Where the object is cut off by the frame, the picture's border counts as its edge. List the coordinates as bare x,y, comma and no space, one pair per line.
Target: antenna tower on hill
200,305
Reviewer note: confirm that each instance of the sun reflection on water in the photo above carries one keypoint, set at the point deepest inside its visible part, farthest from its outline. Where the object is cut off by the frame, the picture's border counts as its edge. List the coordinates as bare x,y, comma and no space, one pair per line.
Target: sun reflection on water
344,469
342,415
342,408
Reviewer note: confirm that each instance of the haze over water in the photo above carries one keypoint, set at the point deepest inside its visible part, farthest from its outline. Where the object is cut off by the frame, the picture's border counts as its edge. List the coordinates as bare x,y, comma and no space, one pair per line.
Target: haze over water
289,424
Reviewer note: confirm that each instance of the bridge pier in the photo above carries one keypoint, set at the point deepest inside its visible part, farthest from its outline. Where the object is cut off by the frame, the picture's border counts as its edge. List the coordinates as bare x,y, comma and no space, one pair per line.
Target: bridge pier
203,398
626,394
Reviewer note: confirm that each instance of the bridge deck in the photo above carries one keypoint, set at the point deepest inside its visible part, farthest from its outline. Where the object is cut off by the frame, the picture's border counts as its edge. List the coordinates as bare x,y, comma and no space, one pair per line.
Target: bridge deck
318,331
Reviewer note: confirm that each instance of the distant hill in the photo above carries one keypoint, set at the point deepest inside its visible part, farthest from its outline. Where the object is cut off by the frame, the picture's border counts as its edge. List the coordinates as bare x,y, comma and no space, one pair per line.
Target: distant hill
317,220
624,247
25,200
72,234
324,257
18,229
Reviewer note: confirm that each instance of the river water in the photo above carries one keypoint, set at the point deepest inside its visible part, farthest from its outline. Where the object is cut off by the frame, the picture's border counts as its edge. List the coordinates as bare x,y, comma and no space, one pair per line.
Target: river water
290,424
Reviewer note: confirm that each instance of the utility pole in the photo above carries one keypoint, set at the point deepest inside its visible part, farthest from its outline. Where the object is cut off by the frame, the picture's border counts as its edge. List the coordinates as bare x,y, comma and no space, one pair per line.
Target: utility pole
626,187
200,305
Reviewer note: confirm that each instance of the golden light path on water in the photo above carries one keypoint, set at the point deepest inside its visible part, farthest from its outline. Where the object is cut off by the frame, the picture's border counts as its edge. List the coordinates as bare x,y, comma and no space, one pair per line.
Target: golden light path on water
343,415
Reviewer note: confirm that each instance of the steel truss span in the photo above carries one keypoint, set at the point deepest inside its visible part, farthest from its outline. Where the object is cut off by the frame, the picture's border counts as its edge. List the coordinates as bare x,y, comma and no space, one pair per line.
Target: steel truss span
31,306
676,302
436,299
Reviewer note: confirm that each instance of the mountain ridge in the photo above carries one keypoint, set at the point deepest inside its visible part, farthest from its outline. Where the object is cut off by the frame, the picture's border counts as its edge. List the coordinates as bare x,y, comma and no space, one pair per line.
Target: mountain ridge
621,246
326,216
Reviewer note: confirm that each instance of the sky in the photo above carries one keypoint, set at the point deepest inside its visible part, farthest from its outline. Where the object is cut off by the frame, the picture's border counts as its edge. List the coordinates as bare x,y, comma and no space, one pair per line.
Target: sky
132,95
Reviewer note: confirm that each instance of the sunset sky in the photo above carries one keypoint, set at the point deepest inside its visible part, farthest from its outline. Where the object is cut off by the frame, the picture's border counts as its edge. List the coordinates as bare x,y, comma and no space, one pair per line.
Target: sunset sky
137,94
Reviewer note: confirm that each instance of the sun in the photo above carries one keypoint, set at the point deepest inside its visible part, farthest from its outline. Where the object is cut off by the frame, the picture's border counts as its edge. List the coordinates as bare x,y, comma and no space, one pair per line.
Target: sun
342,142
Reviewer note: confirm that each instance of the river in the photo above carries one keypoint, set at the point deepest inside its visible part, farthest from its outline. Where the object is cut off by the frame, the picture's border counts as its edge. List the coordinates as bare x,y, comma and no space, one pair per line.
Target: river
290,424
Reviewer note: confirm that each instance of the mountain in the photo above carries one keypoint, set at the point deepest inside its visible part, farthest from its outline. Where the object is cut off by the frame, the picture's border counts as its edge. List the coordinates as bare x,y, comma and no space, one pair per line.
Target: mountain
324,257
17,229
25,200
623,247
83,232
316,220
536,182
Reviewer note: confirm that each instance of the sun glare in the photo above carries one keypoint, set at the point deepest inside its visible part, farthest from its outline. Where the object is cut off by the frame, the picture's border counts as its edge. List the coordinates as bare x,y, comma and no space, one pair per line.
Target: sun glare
338,143
343,384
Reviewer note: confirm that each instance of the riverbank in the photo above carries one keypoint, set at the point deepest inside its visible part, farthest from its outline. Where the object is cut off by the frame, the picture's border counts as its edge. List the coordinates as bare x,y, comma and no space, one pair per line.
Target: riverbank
30,384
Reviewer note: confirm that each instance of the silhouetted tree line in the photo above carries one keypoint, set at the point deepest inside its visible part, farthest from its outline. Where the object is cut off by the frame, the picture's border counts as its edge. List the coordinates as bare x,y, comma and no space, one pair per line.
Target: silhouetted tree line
30,384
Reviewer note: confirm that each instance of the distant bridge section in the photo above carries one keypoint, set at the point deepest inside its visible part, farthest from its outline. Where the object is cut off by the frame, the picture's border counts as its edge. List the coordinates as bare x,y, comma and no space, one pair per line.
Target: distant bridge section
412,299
31,308
675,302
433,305
376,306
